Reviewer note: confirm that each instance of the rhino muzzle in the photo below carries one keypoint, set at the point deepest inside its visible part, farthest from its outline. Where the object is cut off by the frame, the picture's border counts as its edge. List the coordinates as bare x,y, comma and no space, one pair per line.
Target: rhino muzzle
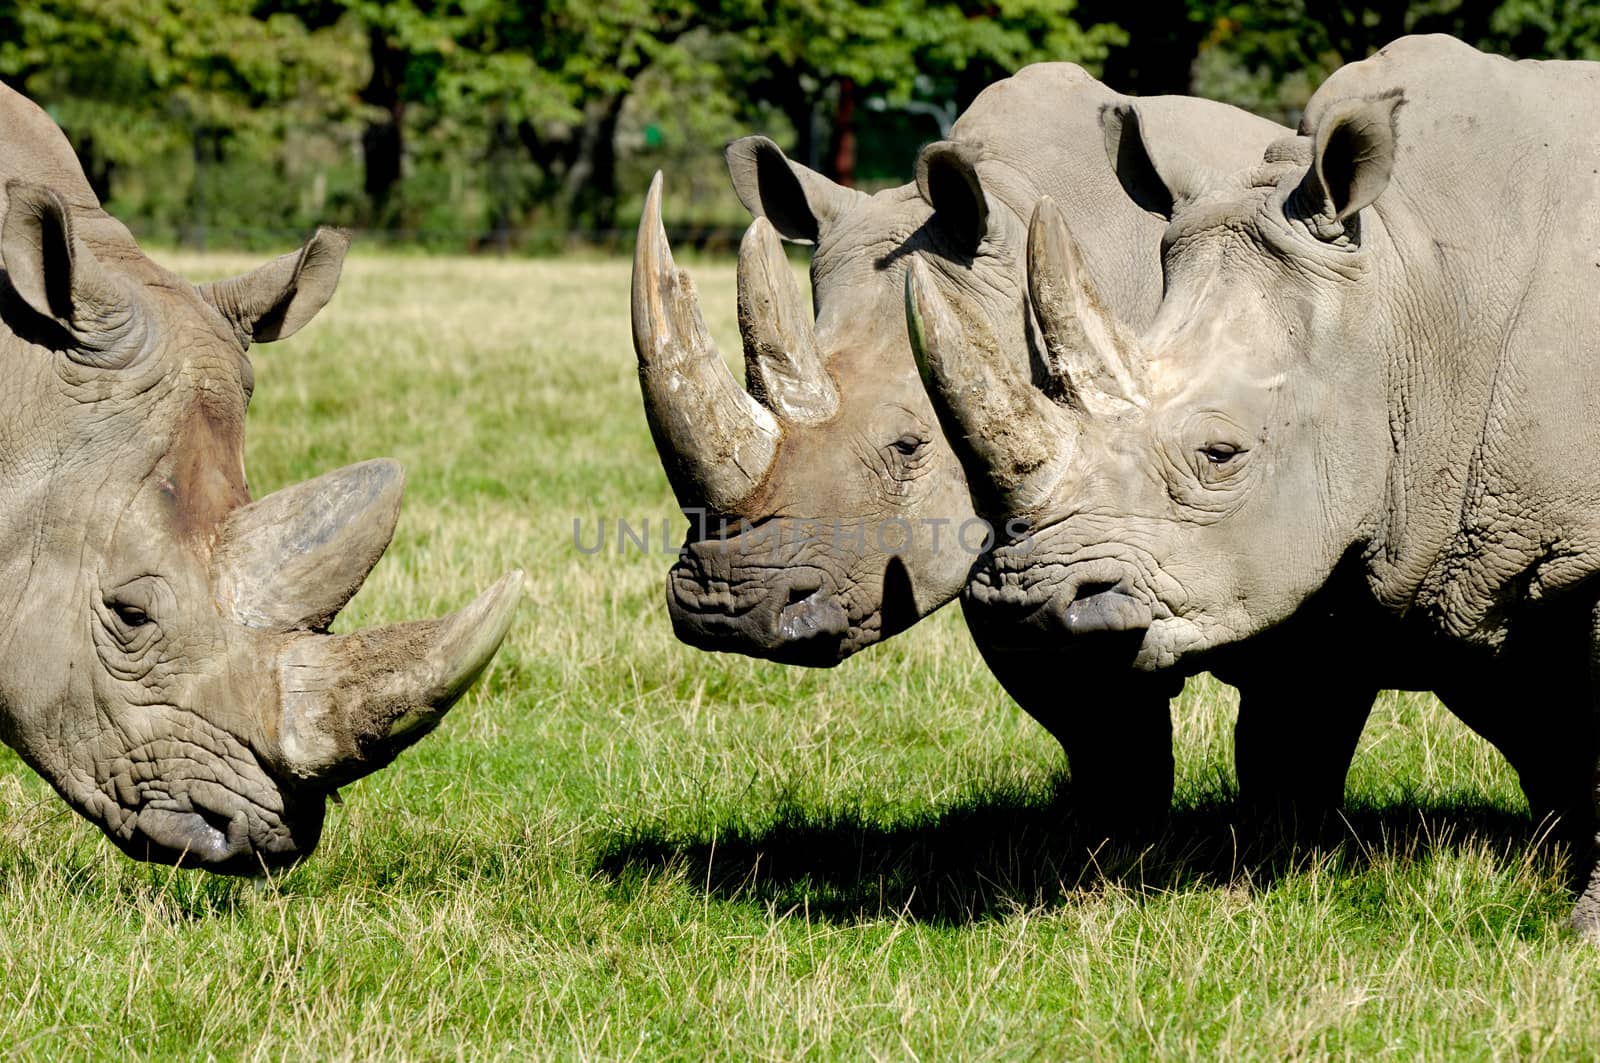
784,612
1102,604
222,839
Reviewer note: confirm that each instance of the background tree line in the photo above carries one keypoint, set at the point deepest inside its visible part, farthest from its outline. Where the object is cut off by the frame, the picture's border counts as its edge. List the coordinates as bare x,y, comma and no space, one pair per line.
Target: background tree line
492,122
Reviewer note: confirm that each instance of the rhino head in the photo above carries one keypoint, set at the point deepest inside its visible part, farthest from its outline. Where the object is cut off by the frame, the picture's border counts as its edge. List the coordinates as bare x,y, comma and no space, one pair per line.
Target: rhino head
830,513
1193,485
168,664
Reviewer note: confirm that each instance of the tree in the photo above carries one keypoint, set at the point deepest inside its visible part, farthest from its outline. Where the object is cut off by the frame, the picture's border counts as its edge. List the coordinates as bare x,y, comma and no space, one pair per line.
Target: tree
131,80
796,51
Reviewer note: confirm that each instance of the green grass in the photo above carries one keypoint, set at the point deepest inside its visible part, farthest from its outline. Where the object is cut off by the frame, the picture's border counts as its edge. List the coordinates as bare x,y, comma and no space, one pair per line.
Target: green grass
619,847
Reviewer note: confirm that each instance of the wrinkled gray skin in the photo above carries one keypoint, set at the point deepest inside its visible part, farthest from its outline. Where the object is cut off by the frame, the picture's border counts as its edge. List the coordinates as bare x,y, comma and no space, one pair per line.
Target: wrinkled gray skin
167,666
836,428
1374,375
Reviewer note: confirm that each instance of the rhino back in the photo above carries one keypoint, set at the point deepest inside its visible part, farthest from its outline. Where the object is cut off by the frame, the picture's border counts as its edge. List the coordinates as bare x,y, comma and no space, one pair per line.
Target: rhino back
1492,314
1039,133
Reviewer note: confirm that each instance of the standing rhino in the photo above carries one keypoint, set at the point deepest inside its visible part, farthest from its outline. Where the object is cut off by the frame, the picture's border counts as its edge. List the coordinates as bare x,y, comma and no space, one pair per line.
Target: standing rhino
1374,379
167,662
835,513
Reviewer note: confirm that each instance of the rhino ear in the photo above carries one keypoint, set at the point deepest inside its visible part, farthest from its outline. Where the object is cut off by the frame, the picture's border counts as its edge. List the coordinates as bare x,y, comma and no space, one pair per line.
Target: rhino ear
1352,156
1157,181
274,301
947,178
799,202
54,272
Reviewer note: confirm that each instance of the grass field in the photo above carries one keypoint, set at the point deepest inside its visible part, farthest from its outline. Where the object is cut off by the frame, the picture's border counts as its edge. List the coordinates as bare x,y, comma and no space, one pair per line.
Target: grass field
619,847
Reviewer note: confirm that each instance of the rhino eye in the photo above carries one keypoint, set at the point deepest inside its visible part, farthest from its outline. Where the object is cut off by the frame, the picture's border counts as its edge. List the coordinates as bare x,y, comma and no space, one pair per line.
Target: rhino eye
131,603
1220,453
130,614
908,445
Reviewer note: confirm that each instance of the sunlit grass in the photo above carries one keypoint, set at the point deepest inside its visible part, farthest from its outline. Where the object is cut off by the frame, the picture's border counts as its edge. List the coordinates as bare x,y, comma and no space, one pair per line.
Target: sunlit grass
621,847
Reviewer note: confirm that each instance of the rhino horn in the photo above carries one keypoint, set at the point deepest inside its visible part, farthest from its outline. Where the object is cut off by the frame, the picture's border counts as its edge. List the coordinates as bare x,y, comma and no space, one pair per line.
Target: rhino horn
716,442
293,559
349,704
1011,439
782,366
1094,359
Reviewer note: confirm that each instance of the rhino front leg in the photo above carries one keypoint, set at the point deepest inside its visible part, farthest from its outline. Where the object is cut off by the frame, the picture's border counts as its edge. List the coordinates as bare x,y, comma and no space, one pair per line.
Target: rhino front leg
1118,741
1114,724
1586,913
1293,743
1116,730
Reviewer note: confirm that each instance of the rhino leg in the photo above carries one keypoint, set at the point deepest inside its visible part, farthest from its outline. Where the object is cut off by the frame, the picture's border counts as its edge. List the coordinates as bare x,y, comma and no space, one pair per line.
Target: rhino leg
1586,912
1294,741
1538,703
1118,742
1545,730
1115,726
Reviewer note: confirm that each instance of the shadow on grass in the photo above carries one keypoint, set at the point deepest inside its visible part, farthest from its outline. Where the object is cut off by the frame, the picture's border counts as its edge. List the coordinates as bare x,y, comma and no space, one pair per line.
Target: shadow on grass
993,854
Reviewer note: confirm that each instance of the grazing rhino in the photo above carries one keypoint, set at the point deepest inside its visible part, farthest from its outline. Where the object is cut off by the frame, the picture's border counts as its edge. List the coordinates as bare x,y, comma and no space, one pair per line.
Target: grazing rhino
834,512
1375,374
168,667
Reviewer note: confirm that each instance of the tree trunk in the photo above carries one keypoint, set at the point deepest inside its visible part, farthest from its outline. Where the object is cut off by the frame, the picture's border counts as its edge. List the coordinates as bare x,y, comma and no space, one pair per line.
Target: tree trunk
382,142
844,135
96,167
1161,48
589,187
802,114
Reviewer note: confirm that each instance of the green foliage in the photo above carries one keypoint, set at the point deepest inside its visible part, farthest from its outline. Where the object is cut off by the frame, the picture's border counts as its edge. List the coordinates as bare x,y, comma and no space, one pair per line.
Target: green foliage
138,78
466,123
1271,57
471,117
886,47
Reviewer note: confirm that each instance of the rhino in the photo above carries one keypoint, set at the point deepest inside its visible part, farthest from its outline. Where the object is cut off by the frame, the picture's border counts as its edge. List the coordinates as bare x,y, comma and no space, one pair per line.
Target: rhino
1371,393
168,665
829,511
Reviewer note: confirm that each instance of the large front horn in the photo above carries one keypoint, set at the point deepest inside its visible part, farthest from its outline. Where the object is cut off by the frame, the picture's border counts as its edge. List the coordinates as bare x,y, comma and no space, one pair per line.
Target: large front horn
715,441
782,366
1093,357
350,703
1012,440
345,705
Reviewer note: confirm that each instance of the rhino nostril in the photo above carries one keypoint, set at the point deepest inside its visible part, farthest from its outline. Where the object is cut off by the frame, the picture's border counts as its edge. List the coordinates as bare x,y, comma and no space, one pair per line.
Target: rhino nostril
1089,590
217,821
1104,607
802,588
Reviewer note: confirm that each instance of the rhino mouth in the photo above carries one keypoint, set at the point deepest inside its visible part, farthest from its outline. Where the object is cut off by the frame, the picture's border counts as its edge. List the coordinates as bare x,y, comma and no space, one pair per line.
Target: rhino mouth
1039,605
198,797
793,616
219,841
